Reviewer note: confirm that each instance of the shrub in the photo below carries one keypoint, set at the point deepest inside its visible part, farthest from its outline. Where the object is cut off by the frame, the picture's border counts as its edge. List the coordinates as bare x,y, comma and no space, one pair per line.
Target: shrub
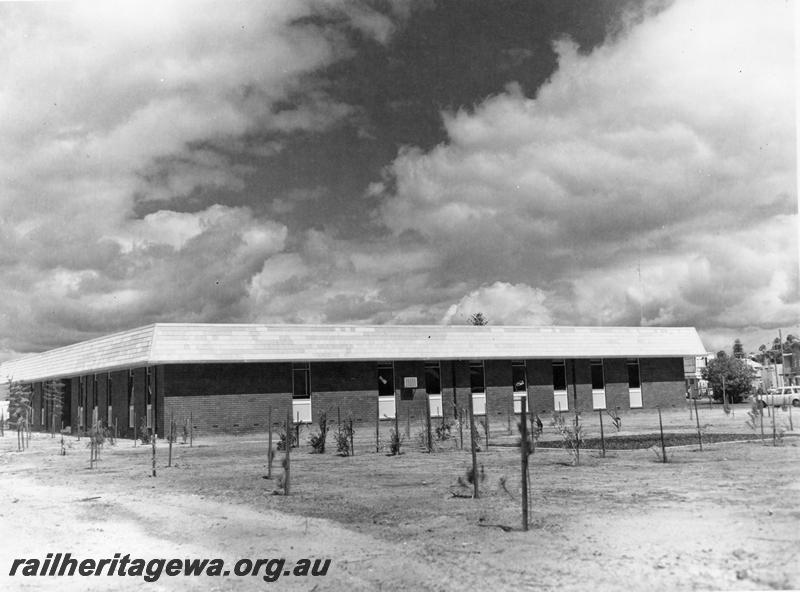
144,431
395,441
469,477
317,441
343,437
615,419
282,439
571,434
442,431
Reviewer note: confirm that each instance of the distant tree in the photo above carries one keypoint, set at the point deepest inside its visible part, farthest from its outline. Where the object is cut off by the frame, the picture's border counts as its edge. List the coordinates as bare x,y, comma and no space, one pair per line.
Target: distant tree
762,354
737,374
20,396
787,343
478,319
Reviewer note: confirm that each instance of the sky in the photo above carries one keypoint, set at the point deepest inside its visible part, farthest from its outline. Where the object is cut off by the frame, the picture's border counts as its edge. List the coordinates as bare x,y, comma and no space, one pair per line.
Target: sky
568,162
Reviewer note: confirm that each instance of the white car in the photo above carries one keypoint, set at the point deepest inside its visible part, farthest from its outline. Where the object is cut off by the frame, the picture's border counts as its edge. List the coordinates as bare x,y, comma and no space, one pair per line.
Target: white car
785,395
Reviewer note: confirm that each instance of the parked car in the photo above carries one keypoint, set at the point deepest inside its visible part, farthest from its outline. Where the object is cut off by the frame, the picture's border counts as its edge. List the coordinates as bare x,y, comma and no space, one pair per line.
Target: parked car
785,395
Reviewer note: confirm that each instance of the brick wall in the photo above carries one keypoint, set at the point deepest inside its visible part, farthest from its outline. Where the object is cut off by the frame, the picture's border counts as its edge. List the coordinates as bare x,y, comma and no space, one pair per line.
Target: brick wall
617,392
663,382
352,388
463,391
231,413
499,390
540,385
583,379
237,397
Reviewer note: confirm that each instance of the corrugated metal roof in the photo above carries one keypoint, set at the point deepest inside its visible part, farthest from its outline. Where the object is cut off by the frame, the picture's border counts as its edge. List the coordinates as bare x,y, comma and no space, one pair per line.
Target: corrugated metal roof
119,350
204,343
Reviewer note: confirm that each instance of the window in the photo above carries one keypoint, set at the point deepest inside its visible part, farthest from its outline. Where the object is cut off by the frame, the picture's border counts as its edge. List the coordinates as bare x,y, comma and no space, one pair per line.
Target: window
598,380
477,380
131,414
95,397
633,374
519,377
386,379
109,420
433,378
301,380
149,408
559,376
81,400
95,393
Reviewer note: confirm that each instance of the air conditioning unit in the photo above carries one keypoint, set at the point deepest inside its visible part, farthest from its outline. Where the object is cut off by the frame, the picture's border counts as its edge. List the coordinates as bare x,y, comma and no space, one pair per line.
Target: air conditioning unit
410,382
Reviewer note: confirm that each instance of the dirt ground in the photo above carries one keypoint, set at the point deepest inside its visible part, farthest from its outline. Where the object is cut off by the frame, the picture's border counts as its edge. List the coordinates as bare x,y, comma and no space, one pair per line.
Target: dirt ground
726,518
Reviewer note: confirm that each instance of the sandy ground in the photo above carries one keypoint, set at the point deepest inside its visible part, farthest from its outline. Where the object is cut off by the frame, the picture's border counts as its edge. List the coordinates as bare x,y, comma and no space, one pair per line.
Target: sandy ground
726,518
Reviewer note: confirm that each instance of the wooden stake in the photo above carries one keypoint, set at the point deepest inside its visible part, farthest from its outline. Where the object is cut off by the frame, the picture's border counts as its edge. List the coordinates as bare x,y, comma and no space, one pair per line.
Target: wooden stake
661,430
135,437
378,424
171,438
396,424
761,418
153,441
286,459
523,447
352,445
602,434
408,423
461,427
774,436
428,422
269,455
473,444
191,429
699,433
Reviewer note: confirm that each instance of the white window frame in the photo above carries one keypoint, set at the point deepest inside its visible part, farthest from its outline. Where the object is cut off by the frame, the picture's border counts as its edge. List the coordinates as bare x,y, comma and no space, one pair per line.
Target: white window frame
519,364
306,368
634,393
560,395
598,394
438,365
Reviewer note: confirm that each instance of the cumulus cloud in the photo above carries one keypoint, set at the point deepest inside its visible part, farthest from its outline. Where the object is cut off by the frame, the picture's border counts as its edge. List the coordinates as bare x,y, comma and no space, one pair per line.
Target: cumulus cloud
110,110
649,181
502,304
639,185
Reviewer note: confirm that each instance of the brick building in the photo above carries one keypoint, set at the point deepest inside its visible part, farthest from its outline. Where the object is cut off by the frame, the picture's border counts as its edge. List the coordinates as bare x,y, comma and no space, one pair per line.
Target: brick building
228,377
